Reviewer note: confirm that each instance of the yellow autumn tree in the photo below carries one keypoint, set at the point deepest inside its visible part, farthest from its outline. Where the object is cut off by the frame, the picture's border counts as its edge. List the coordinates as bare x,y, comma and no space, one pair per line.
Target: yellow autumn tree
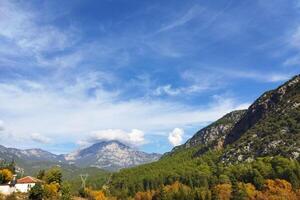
95,194
175,187
51,190
277,189
223,191
143,195
5,175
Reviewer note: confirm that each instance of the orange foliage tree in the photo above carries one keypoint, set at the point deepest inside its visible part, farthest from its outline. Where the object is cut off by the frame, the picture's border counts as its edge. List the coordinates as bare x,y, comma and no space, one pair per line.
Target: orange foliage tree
277,189
144,195
6,175
223,191
95,194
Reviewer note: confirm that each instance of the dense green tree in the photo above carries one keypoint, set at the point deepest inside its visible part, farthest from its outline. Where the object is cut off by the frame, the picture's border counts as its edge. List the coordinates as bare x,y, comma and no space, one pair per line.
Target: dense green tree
36,192
41,174
258,180
66,192
53,175
237,193
161,194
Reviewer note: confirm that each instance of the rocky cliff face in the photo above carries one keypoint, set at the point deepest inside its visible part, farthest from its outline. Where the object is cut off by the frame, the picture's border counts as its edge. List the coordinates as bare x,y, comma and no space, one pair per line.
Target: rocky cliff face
271,126
213,136
215,133
110,155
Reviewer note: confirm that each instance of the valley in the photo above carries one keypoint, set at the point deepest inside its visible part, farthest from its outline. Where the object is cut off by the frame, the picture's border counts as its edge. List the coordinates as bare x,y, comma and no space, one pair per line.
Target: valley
250,148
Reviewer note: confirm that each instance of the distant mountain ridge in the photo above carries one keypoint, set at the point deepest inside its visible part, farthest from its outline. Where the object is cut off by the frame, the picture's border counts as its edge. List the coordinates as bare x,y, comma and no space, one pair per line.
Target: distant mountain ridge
28,154
108,155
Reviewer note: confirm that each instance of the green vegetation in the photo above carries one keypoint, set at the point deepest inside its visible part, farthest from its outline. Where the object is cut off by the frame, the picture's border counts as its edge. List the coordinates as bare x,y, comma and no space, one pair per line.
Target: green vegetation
202,175
96,177
271,127
36,192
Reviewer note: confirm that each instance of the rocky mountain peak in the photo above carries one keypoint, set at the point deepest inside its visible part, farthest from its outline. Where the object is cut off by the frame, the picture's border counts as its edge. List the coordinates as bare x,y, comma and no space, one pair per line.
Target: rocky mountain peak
110,155
268,102
269,127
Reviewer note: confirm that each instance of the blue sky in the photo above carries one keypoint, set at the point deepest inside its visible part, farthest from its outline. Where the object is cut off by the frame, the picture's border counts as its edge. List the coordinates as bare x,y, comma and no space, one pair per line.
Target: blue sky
148,73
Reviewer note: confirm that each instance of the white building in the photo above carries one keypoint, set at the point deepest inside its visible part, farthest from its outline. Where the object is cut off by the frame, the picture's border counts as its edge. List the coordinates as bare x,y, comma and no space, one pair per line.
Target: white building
21,185
26,183
7,189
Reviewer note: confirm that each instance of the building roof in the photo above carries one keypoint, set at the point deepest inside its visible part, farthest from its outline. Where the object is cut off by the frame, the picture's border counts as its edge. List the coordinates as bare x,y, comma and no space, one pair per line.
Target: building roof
29,179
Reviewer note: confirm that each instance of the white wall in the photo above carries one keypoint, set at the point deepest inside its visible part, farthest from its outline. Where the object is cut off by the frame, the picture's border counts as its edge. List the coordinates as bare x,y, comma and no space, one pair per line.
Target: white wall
6,189
24,187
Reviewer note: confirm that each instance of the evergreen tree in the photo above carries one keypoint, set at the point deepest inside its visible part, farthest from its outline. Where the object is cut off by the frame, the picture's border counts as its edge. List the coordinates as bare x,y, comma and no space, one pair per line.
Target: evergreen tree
41,174
66,192
36,192
237,193
161,194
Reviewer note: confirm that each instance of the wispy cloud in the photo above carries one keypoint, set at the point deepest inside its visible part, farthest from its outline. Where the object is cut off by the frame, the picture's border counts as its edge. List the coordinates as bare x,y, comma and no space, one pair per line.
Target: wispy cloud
39,138
85,106
294,39
182,20
1,125
271,77
191,89
292,61
20,27
134,137
135,77
26,38
293,43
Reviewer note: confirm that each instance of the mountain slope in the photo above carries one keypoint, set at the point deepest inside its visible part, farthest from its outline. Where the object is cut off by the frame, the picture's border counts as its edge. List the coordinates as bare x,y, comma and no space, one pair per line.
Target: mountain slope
271,126
110,155
28,155
213,135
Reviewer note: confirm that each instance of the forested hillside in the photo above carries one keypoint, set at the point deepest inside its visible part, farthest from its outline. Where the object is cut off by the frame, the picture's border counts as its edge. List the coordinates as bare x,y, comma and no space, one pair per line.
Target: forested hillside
249,154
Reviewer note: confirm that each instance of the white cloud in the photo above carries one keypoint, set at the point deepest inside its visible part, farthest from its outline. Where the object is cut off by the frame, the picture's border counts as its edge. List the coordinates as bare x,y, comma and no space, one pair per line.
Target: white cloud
243,106
21,27
23,36
37,137
166,89
260,76
295,60
70,111
293,43
188,16
176,136
294,39
1,125
194,88
134,137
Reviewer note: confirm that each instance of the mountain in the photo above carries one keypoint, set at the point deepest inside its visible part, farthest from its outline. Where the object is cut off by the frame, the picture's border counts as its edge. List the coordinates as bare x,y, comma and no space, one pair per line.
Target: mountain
248,146
271,126
214,134
110,155
28,154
